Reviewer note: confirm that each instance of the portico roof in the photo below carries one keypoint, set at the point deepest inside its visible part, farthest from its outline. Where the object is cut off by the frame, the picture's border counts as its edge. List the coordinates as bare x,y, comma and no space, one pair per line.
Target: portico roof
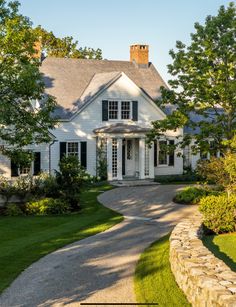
121,128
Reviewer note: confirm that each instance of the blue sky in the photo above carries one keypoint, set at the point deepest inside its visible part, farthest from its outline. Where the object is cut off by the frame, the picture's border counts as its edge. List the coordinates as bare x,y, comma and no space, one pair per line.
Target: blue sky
114,25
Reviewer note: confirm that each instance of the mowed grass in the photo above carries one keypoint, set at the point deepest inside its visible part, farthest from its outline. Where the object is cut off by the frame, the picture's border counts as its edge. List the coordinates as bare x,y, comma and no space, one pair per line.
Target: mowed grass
23,240
154,281
224,247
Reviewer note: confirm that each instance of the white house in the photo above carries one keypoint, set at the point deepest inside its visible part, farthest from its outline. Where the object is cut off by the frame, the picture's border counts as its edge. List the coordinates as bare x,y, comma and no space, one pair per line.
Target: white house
108,103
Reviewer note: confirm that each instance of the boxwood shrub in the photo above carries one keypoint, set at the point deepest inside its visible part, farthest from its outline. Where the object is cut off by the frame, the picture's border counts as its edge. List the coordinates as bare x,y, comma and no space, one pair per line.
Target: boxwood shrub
190,195
219,213
13,210
166,179
47,206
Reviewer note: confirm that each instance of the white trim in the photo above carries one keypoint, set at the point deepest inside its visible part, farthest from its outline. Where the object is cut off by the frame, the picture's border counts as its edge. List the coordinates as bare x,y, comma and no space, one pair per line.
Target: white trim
141,92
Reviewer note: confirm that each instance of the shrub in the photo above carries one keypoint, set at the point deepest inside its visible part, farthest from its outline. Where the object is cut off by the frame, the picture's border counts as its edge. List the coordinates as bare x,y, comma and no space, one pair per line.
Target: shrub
47,206
23,186
190,177
190,195
219,213
70,178
46,185
13,210
6,189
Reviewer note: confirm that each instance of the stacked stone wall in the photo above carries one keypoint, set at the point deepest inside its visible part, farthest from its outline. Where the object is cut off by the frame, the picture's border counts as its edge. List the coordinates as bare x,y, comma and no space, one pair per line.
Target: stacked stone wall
206,280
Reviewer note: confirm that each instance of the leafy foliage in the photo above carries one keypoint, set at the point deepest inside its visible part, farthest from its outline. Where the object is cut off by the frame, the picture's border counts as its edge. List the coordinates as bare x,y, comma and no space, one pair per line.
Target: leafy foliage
168,179
21,83
47,206
203,84
219,213
13,210
222,171
101,164
70,179
192,195
64,47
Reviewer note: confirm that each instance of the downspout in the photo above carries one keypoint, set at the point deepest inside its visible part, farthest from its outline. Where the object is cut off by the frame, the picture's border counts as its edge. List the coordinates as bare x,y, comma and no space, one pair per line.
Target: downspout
49,156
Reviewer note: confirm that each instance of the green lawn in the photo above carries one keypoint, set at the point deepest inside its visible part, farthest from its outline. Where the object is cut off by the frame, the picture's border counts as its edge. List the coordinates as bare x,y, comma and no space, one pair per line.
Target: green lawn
224,247
26,239
154,281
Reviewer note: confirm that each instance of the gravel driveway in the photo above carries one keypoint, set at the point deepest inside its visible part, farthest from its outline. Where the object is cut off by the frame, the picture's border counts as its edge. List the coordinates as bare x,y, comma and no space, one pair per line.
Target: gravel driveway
100,269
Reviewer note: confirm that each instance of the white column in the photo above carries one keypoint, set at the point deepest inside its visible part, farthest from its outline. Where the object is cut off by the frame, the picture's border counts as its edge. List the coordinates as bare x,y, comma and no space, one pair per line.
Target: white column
119,159
141,158
151,162
109,159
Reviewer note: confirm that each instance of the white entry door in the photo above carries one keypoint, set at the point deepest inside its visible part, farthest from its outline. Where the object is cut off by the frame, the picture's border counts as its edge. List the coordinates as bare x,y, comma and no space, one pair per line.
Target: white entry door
130,157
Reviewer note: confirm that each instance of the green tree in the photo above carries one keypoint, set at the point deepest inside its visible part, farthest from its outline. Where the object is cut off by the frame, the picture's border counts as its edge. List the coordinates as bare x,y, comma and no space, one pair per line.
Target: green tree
203,84
221,170
64,47
21,121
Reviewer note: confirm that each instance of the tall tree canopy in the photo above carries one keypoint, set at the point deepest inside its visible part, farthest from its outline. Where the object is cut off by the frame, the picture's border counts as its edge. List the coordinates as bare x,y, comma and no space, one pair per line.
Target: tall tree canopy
204,83
64,47
21,84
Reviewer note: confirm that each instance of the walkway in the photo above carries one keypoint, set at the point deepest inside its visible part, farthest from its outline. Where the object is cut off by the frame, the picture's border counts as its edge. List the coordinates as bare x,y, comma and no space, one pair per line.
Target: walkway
100,269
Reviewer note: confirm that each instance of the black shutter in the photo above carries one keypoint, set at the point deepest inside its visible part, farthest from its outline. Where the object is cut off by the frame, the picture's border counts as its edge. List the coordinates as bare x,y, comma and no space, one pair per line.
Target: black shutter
105,110
62,149
135,110
172,154
155,153
14,169
37,163
83,154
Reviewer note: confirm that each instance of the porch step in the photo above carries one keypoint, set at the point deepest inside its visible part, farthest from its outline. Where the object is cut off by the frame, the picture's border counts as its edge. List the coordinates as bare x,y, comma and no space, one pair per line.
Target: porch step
133,183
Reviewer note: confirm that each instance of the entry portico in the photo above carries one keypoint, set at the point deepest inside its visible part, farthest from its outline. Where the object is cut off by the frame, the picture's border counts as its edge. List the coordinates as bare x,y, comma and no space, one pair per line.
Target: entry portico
128,155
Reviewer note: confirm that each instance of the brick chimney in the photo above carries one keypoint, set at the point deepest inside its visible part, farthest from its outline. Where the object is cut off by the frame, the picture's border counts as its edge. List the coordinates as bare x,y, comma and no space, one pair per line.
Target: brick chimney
139,54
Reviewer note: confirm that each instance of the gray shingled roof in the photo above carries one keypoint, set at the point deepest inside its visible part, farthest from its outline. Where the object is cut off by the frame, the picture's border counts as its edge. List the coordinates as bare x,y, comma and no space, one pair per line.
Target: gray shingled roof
75,81
121,128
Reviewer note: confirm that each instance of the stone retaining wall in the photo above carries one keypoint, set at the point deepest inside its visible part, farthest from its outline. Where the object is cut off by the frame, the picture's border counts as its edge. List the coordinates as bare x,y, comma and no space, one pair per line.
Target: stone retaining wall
206,280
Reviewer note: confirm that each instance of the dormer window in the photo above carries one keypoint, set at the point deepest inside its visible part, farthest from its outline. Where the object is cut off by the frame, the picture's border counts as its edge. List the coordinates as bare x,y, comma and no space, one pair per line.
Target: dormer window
125,109
113,110
119,110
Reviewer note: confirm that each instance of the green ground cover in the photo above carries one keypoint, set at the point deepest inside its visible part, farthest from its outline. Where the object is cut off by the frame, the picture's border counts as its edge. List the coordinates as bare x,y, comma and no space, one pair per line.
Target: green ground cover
25,239
224,247
154,281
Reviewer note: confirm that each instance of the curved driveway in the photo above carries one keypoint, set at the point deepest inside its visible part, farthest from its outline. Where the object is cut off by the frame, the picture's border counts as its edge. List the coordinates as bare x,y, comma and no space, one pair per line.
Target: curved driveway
100,269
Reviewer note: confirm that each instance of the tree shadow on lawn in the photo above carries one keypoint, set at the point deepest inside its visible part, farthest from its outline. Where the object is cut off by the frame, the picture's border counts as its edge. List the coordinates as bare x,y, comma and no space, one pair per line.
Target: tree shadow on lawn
214,248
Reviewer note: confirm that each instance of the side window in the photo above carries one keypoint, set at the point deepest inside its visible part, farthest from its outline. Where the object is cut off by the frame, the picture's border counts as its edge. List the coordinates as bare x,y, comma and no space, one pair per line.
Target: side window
162,153
73,149
166,155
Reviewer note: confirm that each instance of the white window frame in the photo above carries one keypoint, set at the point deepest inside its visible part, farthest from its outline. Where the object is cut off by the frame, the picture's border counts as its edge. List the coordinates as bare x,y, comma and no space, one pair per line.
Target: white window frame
130,107
119,102
109,102
75,153
167,155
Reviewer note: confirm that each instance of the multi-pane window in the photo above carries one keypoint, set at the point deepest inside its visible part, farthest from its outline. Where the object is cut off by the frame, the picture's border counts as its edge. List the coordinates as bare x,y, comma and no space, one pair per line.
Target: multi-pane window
113,110
114,158
129,149
162,153
73,149
25,170
146,166
125,109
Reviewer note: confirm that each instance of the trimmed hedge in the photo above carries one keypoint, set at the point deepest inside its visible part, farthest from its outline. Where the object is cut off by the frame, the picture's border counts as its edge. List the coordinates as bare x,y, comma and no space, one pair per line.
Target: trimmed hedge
190,195
177,178
219,213
47,206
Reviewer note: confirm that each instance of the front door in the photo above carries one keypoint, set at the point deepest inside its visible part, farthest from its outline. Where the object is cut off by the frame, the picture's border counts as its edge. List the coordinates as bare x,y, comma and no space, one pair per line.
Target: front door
129,158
